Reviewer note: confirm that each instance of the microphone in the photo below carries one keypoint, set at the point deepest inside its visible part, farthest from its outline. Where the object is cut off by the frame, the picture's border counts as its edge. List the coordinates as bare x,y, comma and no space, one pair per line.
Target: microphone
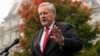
16,41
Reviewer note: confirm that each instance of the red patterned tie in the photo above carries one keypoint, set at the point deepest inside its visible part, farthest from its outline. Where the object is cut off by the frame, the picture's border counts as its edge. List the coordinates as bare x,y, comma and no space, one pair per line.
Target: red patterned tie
45,39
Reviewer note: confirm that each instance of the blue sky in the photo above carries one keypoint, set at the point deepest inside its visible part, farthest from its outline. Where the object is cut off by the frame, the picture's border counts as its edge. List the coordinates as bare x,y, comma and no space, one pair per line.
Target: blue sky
5,6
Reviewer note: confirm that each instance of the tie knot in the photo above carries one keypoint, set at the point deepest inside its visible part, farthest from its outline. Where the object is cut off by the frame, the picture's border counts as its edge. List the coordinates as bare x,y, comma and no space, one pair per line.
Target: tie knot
47,28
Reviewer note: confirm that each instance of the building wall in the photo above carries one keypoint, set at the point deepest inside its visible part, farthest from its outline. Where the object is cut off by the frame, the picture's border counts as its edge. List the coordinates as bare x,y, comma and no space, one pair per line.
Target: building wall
9,29
95,6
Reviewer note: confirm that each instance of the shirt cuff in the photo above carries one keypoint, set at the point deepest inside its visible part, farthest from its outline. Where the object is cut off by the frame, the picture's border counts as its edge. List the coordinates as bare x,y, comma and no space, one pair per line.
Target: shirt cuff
62,43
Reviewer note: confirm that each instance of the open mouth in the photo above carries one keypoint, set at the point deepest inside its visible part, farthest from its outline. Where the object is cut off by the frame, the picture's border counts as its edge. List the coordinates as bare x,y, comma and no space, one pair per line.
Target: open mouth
43,20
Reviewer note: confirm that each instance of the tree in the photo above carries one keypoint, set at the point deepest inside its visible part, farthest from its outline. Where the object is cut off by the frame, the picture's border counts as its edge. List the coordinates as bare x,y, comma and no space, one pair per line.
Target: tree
29,24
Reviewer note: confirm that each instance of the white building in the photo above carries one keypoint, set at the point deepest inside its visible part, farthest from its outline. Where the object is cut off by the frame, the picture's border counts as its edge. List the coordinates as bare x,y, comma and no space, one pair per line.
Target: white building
95,6
9,29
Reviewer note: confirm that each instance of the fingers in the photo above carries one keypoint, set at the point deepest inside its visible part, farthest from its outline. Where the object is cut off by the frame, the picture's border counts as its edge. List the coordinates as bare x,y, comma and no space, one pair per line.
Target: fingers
57,34
56,30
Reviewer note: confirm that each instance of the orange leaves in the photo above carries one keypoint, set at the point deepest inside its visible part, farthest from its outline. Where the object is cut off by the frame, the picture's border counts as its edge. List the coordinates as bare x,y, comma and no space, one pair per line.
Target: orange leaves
75,3
86,10
23,42
23,11
35,4
21,28
79,4
26,12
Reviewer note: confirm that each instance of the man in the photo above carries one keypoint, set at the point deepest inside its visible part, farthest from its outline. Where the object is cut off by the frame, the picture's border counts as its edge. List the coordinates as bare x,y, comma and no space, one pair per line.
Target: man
54,39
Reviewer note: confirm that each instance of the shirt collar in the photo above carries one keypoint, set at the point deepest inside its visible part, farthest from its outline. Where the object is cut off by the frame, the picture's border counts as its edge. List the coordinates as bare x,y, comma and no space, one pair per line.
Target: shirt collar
51,26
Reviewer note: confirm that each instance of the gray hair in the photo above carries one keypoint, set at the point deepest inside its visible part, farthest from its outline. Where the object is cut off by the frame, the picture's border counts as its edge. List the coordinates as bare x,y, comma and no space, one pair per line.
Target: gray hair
50,5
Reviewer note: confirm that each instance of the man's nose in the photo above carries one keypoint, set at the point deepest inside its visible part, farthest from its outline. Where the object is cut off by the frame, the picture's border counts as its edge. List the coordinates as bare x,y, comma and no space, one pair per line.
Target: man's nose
42,15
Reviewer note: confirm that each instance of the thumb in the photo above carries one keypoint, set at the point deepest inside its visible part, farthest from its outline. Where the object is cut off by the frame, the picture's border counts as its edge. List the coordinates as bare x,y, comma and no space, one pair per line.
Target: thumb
52,37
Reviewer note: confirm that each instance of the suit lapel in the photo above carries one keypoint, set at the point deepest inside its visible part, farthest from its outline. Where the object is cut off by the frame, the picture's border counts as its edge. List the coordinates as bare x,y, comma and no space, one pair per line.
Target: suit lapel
38,50
50,44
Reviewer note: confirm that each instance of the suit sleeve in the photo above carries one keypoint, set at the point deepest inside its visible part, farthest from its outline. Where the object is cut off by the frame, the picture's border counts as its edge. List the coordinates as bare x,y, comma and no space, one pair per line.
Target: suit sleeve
72,43
32,50
32,46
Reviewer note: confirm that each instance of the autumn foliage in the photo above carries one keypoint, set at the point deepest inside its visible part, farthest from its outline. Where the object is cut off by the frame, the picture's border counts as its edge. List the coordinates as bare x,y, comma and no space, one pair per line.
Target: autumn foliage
28,11
35,4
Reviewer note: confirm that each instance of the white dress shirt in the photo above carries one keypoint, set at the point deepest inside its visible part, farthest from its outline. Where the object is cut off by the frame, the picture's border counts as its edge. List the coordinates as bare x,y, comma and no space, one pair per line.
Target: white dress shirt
43,34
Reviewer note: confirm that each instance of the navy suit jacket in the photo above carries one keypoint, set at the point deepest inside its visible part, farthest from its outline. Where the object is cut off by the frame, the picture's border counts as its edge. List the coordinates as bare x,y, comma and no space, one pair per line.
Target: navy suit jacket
71,45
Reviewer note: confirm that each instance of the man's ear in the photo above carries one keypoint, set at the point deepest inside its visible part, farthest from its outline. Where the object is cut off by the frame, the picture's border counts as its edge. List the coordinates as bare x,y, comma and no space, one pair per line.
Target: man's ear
54,15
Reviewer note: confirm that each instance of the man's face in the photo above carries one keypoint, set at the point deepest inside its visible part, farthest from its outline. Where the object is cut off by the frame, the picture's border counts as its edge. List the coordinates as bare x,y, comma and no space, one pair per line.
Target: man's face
46,15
